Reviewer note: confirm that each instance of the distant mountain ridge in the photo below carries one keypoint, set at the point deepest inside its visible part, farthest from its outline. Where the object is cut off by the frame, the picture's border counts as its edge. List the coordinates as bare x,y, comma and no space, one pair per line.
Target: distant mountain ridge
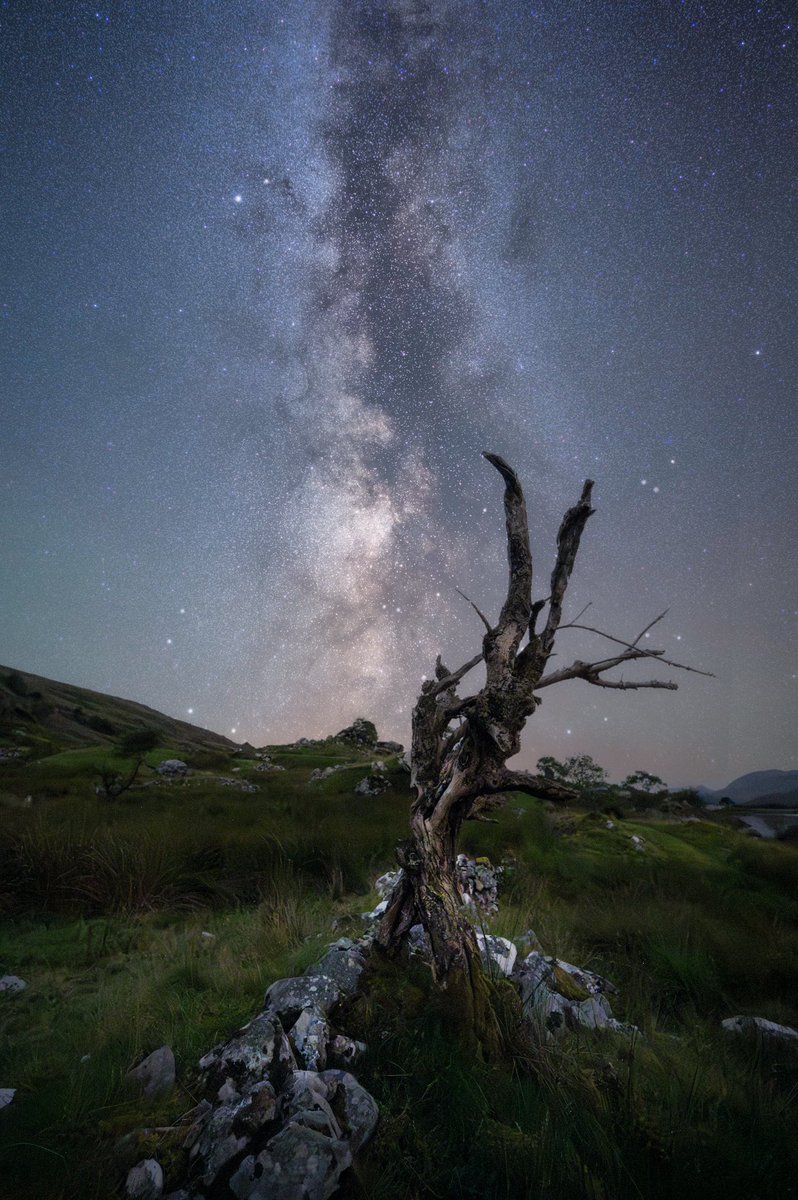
758,787
42,709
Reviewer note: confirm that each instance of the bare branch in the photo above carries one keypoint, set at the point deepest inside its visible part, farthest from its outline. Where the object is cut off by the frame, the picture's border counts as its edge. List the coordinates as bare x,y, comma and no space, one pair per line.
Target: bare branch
514,617
532,785
478,611
449,681
647,653
568,539
622,685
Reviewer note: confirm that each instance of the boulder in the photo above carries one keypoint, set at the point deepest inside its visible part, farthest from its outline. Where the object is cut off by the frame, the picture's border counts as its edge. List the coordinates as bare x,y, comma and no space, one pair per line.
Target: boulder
288,997
389,747
6,1096
309,1035
144,1181
12,983
498,953
343,963
156,1074
759,1027
227,1129
360,733
172,768
356,1107
376,913
386,883
559,997
260,1051
298,1163
372,785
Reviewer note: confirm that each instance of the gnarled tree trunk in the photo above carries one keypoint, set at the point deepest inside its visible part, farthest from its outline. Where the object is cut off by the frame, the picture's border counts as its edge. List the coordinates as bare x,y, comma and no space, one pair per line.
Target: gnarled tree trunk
460,749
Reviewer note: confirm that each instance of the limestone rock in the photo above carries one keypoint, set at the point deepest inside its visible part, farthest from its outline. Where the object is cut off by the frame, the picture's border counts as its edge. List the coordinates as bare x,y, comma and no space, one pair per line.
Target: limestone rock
357,1107
172,768
298,1163
288,997
144,1181
372,785
759,1027
561,997
309,1036
156,1074
260,1051
227,1129
360,733
12,983
343,963
498,953
386,883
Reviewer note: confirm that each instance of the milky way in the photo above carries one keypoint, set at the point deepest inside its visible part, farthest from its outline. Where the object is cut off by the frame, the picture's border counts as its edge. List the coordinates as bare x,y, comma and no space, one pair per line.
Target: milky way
278,274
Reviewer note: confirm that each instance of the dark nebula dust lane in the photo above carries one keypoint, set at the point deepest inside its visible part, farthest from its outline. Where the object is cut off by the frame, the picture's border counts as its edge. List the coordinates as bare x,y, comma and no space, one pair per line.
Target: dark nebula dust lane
278,273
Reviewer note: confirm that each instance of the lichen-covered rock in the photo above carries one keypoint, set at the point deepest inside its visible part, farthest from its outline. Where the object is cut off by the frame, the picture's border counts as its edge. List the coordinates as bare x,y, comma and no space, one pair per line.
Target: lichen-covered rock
343,963
386,883
559,997
298,1163
156,1074
145,1181
172,768
228,1129
343,1051
376,913
760,1027
260,1051
356,1107
288,997
309,1035
478,881
360,733
372,785
498,953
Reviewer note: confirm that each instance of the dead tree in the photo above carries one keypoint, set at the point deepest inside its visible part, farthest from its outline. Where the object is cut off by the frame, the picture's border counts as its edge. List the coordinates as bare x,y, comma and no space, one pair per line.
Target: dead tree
460,747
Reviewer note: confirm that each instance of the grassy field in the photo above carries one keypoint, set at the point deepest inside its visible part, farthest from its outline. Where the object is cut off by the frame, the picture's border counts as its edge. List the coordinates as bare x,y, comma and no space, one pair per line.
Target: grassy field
107,910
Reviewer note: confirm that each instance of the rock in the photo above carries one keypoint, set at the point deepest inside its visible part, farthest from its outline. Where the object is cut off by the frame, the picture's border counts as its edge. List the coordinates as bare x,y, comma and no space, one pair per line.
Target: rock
6,1096
360,733
307,1101
298,1163
228,1129
144,1181
12,983
156,1074
389,747
561,997
372,785
637,842
356,1106
343,1051
386,883
418,940
309,1036
324,773
241,785
260,1051
301,743
288,997
759,1027
172,768
343,963
478,881
375,913
528,941
498,953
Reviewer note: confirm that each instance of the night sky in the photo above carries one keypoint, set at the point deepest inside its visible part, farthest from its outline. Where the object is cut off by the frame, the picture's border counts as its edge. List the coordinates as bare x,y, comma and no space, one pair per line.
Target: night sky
276,273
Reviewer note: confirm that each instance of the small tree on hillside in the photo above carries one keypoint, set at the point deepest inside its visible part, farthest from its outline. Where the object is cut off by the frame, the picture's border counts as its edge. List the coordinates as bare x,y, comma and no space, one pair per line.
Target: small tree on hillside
644,781
460,747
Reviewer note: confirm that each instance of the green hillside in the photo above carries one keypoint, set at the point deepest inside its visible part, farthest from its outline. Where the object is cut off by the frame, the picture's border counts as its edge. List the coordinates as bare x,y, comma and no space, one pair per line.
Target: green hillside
162,916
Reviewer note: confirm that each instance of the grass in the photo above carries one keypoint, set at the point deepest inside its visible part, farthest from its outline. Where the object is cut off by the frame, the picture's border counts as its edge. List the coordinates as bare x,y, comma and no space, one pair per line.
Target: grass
105,909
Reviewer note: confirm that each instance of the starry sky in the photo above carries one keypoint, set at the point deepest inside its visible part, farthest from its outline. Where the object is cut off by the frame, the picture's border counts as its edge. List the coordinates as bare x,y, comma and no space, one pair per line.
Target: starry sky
276,273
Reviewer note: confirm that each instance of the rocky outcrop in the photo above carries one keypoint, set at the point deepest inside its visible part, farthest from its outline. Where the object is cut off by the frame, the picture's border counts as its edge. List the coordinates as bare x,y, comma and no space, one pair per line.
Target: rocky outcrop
558,997
760,1027
360,733
372,785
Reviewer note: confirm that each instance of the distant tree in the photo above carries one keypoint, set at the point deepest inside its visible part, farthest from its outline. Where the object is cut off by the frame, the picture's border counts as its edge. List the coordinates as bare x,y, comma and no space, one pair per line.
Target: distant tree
138,741
113,782
643,781
584,772
580,770
460,747
551,768
726,802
